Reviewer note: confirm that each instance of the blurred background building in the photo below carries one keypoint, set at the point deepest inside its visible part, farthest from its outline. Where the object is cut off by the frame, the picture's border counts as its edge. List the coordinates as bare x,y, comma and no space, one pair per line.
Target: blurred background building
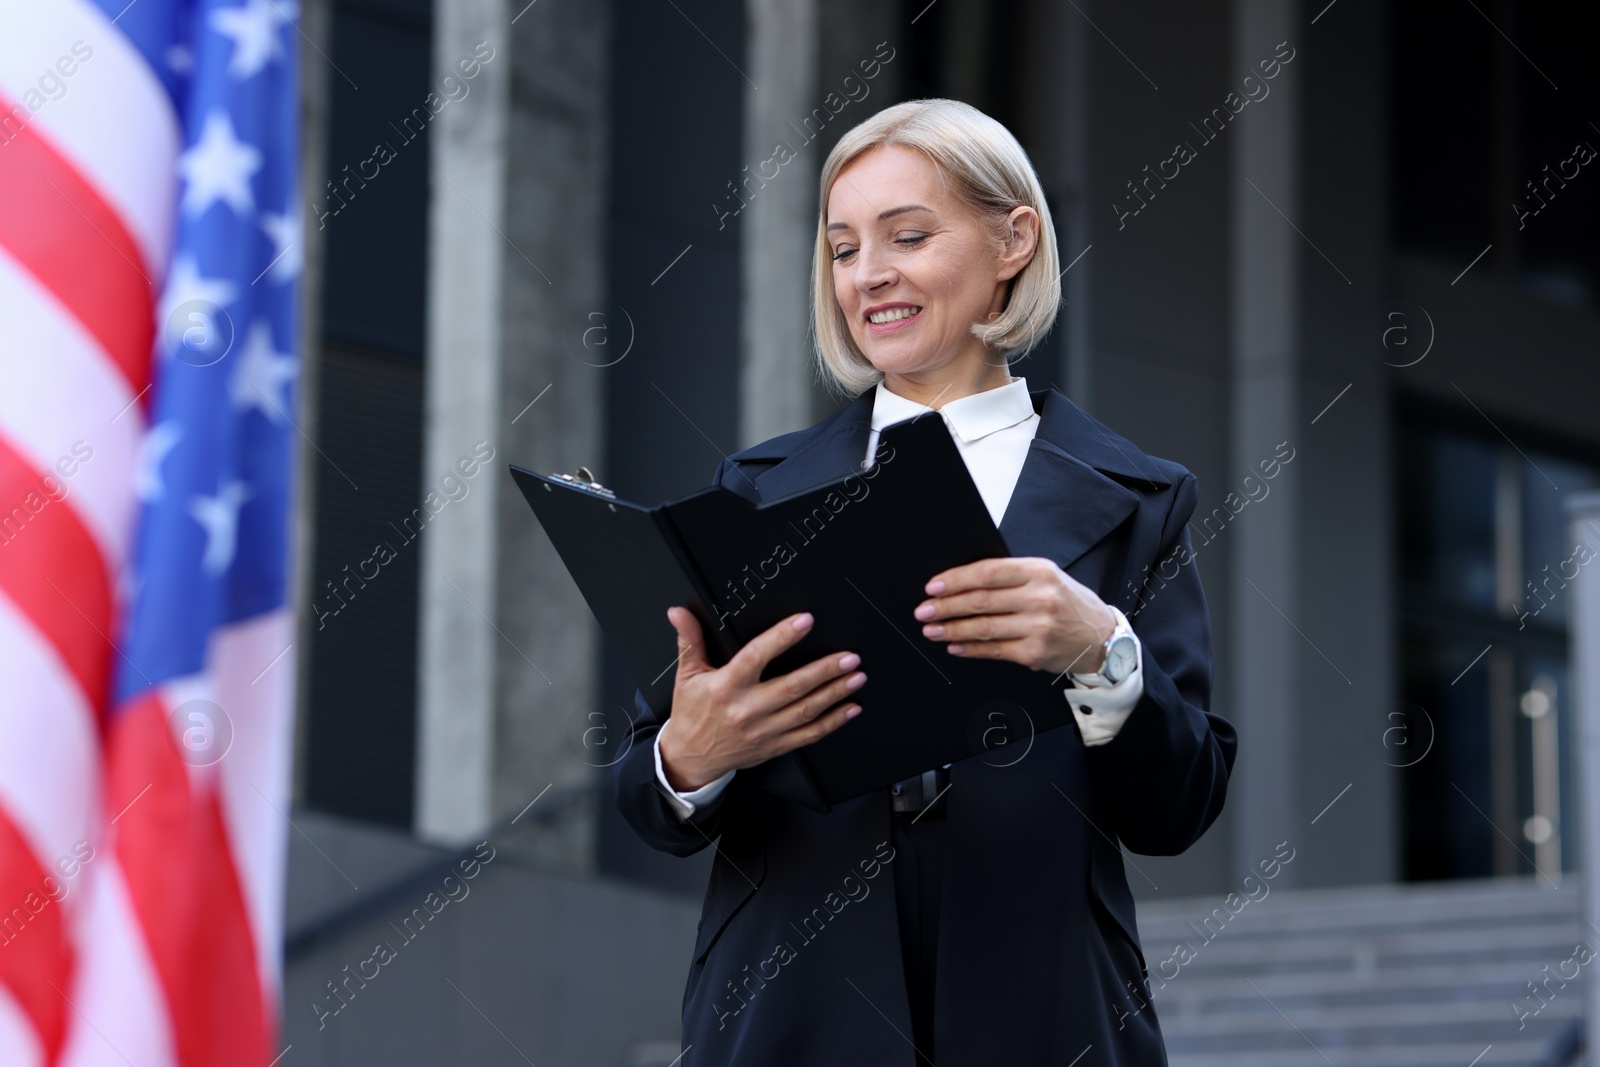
1362,235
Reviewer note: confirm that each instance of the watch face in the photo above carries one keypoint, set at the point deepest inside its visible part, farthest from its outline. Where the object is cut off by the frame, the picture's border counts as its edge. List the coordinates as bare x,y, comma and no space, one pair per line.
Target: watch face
1119,659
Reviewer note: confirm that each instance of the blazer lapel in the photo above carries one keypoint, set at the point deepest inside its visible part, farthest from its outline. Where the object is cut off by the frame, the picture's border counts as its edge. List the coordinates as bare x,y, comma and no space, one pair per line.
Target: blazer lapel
833,452
1062,506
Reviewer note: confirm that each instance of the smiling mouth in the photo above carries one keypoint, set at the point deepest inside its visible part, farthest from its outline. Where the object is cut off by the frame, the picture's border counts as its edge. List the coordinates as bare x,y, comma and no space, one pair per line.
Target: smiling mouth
883,318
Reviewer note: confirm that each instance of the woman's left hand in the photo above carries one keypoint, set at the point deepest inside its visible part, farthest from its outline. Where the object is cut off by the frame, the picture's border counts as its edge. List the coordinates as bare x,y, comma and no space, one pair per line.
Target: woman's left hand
1023,609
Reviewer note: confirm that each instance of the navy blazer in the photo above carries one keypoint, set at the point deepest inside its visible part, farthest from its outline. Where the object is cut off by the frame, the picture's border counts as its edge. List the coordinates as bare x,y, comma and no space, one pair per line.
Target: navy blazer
797,960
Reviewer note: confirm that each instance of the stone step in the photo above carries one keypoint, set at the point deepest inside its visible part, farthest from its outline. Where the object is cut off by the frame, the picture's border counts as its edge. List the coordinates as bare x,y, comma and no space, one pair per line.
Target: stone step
1513,1053
1508,899
1528,944
1386,976
1478,983
1495,1019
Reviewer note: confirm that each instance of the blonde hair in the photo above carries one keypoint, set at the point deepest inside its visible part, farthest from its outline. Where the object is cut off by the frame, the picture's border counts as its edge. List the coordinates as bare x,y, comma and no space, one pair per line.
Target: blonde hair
992,175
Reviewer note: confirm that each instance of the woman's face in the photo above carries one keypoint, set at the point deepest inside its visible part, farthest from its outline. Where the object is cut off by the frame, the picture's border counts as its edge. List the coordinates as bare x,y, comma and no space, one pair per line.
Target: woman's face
913,267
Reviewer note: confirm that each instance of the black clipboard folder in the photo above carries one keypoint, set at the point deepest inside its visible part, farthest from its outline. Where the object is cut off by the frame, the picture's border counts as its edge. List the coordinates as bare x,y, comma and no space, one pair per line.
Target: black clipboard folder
856,552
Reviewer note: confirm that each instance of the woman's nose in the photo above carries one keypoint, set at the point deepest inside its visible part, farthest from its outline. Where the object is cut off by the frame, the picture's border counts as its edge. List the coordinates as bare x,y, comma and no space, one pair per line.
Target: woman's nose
874,269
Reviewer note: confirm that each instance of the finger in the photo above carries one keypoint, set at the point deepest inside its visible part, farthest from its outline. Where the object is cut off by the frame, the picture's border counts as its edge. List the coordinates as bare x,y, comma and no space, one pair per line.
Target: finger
815,703
691,642
752,659
817,729
985,573
982,628
786,689
1012,650
974,602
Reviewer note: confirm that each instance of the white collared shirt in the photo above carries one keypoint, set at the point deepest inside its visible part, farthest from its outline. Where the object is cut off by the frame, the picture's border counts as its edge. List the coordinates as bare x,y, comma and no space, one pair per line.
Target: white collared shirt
993,431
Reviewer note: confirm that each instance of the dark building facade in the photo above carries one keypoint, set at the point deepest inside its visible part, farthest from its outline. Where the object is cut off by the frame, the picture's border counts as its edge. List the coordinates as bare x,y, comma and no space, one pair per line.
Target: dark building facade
1362,236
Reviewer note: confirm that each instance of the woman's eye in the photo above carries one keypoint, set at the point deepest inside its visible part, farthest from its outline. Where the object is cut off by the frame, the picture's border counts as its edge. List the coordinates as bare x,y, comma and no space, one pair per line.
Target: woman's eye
911,239
843,253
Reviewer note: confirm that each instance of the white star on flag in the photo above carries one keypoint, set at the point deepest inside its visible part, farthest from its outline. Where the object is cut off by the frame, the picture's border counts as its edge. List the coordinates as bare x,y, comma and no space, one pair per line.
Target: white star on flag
253,28
185,285
161,439
285,233
261,374
219,515
218,167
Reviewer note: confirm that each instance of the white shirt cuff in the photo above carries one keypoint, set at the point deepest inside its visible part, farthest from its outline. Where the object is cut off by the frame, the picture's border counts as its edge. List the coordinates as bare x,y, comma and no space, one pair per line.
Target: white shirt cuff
1101,708
685,804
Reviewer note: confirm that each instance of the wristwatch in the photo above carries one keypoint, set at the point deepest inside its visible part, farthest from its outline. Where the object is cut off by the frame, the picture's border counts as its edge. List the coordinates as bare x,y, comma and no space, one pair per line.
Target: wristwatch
1121,656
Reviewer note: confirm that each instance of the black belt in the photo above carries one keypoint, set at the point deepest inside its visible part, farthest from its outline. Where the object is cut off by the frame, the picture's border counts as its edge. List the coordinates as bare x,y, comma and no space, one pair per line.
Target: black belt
921,794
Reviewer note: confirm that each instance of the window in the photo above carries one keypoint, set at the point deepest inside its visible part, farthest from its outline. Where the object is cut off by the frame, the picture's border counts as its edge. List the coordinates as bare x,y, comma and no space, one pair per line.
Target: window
1485,564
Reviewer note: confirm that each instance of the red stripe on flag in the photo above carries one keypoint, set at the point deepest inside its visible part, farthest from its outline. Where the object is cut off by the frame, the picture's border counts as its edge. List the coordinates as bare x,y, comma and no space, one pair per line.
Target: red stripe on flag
34,950
175,856
59,227
51,568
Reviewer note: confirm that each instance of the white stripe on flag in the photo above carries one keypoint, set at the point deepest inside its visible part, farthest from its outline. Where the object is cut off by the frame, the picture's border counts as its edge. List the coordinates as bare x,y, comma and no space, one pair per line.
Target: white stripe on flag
117,991
112,118
17,1037
58,390
262,715
49,753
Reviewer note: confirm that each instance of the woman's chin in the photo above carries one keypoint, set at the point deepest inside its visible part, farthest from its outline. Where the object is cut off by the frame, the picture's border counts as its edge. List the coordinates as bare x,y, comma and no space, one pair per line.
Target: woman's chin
897,358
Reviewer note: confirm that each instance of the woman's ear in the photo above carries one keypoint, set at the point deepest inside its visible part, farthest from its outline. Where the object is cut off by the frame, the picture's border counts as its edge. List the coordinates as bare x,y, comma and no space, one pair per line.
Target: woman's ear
1021,241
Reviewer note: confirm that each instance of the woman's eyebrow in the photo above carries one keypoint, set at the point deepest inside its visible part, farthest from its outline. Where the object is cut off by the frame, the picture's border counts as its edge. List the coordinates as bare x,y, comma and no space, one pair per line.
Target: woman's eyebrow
891,213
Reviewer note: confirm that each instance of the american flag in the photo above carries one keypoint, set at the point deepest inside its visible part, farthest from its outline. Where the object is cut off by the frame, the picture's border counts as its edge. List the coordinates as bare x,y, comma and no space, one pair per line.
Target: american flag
149,262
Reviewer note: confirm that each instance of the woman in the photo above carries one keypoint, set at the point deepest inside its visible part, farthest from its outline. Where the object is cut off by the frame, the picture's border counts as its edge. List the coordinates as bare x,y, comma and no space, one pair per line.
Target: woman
1005,931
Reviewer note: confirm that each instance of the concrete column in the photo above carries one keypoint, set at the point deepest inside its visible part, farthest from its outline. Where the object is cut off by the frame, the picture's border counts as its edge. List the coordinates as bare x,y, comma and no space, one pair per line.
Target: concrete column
1314,641
1077,227
1583,514
457,590
1053,124
1348,686
1148,317
555,313
778,226
516,269
316,22
1267,651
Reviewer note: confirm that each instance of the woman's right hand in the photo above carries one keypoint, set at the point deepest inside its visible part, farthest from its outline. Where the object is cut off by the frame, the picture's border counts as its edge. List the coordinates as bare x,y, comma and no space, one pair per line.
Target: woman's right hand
726,718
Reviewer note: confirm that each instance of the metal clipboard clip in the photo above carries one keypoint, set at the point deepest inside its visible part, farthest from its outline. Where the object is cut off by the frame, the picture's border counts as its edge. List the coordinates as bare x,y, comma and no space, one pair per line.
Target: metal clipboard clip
584,479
